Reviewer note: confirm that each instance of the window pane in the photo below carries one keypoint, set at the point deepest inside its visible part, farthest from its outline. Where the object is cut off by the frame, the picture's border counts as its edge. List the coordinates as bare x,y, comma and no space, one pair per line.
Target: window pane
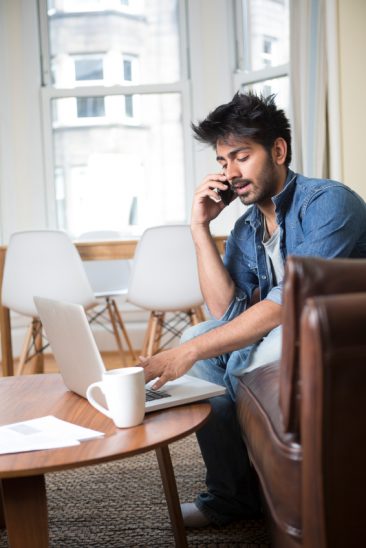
144,32
266,33
89,68
90,107
127,70
278,86
117,174
129,105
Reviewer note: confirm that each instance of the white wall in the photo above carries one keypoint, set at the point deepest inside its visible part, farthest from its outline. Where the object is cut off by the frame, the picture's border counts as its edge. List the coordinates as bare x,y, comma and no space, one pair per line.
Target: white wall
22,185
352,50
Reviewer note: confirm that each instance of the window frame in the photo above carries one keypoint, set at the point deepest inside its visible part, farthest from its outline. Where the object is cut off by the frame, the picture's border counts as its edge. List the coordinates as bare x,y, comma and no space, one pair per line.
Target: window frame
244,77
50,92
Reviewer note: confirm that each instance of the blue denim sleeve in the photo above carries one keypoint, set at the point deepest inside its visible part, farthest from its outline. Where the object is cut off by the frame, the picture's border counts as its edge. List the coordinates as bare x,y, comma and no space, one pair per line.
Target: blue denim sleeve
242,276
236,307
332,222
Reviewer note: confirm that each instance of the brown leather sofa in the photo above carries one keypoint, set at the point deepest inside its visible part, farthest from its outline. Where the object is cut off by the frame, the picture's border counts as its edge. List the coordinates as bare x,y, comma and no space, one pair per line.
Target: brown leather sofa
303,419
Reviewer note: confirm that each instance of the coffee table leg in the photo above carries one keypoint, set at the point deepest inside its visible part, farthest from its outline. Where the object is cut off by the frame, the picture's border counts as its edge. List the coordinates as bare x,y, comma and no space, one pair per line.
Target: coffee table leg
171,495
25,511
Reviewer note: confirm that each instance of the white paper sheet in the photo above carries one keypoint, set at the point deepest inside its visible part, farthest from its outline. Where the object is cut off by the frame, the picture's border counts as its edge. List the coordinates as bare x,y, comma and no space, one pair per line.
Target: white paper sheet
43,433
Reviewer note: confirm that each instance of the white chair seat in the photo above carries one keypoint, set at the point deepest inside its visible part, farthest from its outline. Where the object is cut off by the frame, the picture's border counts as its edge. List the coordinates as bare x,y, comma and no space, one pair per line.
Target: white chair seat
164,280
42,263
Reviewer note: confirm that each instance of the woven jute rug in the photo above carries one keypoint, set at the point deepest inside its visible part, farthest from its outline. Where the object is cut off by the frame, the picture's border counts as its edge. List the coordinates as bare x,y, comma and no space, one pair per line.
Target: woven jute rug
122,504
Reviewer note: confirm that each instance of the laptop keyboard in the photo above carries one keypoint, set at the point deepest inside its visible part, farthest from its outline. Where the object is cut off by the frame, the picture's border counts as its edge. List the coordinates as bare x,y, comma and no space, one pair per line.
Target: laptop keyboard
155,394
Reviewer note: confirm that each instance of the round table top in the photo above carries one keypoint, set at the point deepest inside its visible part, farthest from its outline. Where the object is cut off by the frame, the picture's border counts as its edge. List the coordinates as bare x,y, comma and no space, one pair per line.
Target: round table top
32,396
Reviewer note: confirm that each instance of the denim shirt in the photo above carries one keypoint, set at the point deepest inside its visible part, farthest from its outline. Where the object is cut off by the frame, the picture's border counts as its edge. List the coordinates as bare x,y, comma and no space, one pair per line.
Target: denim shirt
316,217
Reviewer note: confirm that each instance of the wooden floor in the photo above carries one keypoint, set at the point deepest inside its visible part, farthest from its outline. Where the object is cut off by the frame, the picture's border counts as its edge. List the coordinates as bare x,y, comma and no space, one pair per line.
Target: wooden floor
112,360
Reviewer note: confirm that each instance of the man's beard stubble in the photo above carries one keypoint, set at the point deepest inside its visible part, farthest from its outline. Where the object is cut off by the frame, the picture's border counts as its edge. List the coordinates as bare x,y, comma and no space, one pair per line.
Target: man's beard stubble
264,189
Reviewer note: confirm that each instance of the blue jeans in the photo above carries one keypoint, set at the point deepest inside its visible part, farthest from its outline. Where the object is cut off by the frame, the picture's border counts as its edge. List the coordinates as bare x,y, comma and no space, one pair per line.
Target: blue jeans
232,489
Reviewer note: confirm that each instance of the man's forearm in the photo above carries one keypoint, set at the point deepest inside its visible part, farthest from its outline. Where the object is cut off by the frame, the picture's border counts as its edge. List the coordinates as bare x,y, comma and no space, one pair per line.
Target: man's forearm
216,285
240,332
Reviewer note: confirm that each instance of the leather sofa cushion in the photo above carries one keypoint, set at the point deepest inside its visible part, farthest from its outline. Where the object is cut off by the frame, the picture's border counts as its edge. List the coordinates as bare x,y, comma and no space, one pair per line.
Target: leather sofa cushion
275,454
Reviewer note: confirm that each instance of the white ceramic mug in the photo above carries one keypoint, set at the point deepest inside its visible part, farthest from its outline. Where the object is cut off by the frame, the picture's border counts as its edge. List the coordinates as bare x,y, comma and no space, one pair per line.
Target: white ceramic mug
124,391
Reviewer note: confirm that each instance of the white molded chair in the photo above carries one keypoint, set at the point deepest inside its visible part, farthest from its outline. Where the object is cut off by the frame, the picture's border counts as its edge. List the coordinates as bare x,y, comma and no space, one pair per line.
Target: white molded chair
109,280
42,263
164,279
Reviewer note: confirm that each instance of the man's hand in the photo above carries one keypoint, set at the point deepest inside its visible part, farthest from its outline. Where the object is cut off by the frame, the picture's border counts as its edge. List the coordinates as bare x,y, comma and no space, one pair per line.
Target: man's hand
207,204
167,365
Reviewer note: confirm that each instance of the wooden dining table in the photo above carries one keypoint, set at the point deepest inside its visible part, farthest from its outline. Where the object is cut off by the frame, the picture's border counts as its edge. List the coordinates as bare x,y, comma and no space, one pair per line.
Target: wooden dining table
89,251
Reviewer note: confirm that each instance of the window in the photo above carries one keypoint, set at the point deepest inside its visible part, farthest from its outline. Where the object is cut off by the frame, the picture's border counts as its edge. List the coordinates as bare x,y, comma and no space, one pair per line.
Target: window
267,50
90,107
89,68
127,70
114,83
129,106
263,48
130,68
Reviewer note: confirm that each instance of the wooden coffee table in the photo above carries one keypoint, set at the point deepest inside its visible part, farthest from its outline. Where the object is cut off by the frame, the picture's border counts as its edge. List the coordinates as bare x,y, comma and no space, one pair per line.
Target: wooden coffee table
24,504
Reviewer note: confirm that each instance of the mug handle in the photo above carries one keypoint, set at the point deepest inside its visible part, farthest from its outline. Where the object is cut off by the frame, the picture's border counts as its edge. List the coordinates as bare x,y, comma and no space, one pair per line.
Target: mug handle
92,401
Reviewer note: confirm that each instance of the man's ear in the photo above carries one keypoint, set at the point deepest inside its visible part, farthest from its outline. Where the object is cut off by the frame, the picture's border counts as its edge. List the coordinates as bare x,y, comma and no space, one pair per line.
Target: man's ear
279,151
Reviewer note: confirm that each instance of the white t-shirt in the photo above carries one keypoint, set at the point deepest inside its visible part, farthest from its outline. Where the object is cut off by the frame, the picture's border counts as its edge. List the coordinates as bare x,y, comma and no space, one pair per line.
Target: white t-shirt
275,264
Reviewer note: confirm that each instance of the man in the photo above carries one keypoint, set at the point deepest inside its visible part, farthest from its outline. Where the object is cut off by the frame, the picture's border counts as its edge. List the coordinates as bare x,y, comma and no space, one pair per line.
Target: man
290,215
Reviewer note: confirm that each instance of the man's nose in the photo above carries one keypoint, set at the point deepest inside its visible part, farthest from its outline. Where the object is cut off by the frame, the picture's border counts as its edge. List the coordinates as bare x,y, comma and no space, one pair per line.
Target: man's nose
232,172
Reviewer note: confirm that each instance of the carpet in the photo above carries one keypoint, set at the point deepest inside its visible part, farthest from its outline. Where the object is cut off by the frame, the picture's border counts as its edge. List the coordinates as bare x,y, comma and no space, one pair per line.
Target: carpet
122,504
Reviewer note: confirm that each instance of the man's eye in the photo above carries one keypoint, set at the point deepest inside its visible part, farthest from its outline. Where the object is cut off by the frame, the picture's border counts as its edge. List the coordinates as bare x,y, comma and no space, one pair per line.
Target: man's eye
243,159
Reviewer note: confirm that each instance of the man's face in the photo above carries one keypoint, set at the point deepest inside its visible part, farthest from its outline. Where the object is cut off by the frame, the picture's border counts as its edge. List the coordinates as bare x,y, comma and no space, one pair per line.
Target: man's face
251,171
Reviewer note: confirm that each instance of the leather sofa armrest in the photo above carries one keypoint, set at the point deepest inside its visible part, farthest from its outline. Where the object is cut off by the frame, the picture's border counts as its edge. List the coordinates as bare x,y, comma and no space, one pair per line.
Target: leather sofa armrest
333,425
307,277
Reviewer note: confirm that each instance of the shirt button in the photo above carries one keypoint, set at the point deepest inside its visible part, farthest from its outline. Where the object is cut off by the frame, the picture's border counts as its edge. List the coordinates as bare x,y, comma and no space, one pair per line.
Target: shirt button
259,246
264,277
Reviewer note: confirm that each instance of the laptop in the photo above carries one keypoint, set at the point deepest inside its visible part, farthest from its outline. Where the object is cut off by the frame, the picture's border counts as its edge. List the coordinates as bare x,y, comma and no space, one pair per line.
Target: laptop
80,363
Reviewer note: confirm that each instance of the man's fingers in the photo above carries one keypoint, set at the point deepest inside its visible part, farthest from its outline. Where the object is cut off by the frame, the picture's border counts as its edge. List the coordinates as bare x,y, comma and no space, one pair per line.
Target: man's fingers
160,382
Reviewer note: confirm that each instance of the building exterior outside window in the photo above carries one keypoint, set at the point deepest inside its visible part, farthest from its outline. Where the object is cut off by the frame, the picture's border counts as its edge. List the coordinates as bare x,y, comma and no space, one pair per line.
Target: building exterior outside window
263,48
113,100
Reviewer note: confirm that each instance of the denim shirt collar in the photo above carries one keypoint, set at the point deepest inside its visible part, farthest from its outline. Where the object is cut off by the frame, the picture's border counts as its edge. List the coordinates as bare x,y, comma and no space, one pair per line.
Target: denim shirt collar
281,202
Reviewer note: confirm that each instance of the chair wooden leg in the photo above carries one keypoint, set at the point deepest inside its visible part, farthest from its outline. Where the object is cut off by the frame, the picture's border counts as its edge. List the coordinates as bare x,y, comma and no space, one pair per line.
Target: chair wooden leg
38,345
115,331
145,343
147,349
24,351
155,328
153,333
123,329
193,316
200,314
158,332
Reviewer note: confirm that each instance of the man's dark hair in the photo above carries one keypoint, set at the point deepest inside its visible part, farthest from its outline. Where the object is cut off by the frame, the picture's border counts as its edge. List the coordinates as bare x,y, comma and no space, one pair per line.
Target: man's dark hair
246,116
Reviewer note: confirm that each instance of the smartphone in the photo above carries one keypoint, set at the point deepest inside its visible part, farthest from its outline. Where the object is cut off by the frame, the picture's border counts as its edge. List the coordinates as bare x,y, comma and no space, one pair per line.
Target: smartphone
226,195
